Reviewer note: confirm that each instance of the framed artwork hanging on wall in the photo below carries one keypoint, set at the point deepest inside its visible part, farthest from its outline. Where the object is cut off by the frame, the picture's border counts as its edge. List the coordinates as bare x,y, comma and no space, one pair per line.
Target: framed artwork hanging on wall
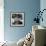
17,19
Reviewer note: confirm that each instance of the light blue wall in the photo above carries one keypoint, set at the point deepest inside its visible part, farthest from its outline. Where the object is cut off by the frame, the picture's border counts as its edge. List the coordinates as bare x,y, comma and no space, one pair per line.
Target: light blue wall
29,7
43,6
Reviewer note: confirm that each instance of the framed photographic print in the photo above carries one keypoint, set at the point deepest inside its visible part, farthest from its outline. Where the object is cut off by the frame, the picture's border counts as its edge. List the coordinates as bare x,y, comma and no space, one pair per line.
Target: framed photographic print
17,19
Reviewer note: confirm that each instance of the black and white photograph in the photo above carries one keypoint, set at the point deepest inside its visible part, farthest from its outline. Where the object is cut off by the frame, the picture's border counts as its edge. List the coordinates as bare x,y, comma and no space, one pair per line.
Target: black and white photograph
17,19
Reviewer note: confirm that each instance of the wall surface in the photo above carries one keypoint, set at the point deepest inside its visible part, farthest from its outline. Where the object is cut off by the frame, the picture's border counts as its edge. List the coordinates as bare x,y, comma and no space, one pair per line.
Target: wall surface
29,7
43,6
